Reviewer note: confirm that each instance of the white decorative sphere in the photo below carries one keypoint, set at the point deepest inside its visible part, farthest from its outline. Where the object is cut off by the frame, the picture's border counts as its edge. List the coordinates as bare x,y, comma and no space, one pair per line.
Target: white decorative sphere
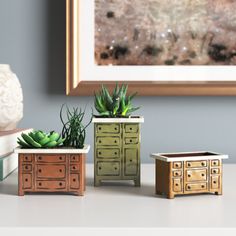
11,99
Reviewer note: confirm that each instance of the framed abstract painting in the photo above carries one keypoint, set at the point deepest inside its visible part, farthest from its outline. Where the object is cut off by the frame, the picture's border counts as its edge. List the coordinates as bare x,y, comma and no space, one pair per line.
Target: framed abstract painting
184,47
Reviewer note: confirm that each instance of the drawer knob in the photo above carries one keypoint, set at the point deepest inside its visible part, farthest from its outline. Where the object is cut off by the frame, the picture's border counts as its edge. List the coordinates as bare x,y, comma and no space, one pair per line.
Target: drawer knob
100,141
176,184
60,170
40,170
203,164
40,158
115,153
189,165
130,160
131,140
100,128
26,180
214,163
189,175
40,184
100,168
115,128
115,168
60,158
130,128
214,182
203,175
100,153
73,158
74,180
26,158
26,167
214,171
115,141
189,187
176,174
60,184
203,186
74,167
176,165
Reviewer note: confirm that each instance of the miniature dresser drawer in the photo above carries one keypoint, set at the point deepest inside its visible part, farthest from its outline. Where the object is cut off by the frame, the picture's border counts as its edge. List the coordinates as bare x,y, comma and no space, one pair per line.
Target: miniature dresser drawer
177,173
108,141
177,165
196,175
74,158
50,158
131,161
215,171
215,162
108,153
51,171
26,167
215,182
196,164
107,168
131,128
108,128
27,158
74,181
50,184
27,181
196,187
74,168
131,140
177,185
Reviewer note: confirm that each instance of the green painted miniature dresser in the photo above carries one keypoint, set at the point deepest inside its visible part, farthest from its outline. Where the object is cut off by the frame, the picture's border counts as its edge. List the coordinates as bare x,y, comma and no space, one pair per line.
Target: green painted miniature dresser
117,149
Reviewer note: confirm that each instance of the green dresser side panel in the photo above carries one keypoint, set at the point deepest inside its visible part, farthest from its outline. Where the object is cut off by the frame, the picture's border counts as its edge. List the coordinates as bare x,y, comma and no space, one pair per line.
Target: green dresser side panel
116,152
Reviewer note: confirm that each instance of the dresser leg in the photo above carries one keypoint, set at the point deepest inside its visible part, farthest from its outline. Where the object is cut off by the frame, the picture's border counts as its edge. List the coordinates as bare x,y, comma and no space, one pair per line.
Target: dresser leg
97,183
170,196
218,193
21,192
137,183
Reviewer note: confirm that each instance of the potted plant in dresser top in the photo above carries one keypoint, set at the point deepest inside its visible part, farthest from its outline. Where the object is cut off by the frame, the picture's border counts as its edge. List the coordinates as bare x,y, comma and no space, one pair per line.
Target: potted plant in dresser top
49,162
116,137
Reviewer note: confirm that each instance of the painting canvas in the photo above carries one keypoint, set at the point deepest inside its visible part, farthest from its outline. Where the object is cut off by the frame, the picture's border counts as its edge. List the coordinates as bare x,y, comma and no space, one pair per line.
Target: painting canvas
165,32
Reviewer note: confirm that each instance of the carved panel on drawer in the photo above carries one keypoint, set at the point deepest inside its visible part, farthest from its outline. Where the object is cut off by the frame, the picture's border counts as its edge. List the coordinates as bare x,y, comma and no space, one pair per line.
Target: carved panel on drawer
108,153
177,173
131,128
50,158
196,187
74,181
27,158
50,184
177,165
215,182
74,168
131,140
177,185
107,168
215,162
108,141
74,158
51,171
27,181
108,128
131,161
26,167
196,175
196,164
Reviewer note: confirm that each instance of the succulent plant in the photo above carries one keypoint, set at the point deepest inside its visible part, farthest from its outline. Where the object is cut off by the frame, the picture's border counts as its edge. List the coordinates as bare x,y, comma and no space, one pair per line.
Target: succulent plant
73,132
40,139
117,104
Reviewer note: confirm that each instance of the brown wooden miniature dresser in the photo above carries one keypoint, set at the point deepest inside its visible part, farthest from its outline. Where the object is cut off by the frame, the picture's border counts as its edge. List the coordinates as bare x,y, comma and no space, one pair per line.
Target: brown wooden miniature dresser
188,173
51,170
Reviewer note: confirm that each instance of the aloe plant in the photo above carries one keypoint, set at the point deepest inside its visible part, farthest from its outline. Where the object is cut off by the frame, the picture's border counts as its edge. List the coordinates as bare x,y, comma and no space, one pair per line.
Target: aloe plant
73,131
117,104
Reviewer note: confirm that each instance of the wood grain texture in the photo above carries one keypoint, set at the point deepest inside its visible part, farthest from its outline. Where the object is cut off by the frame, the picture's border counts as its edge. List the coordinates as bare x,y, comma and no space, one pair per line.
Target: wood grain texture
75,86
51,173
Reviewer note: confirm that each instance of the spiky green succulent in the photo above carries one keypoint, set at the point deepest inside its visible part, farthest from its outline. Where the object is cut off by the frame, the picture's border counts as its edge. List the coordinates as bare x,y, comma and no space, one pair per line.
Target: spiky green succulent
40,139
117,104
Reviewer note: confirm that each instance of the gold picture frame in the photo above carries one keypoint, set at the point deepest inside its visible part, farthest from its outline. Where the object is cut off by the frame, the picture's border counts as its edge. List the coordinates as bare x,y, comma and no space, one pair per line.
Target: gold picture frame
76,86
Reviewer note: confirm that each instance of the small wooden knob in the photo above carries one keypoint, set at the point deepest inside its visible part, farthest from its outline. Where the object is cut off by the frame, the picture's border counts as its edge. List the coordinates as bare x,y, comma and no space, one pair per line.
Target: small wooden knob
189,164
189,187
60,184
203,164
189,175
40,158
203,175
203,186
40,170
214,171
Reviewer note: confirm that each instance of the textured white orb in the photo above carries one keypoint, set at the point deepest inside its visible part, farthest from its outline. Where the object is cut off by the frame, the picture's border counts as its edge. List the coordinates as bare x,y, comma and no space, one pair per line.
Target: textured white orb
11,99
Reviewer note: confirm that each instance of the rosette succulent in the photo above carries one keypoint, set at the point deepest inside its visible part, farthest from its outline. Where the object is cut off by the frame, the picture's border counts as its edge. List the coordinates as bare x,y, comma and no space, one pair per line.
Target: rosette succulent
40,139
